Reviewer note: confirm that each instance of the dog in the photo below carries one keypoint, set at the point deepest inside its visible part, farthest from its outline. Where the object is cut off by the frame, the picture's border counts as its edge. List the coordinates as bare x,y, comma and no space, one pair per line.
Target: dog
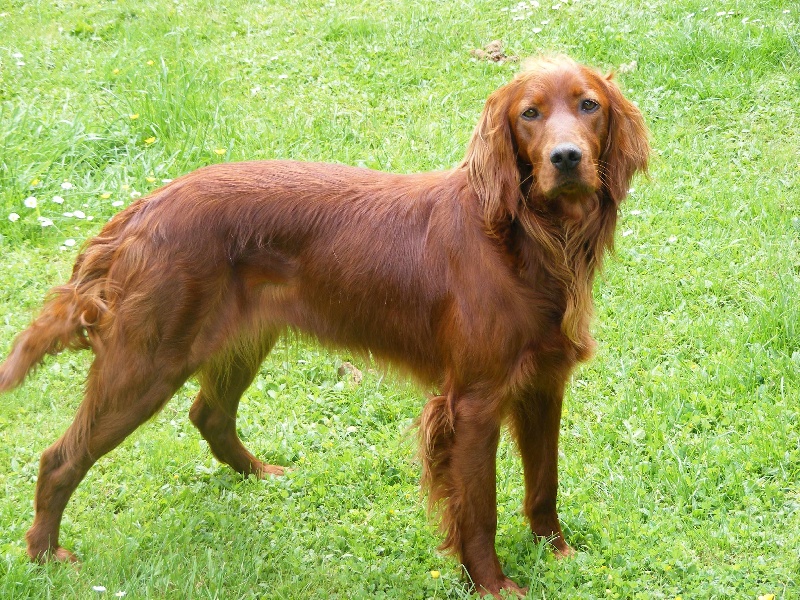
477,281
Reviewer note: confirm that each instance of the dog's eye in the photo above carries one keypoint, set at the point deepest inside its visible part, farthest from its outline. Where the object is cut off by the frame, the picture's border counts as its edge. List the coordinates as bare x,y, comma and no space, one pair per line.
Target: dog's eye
531,113
589,106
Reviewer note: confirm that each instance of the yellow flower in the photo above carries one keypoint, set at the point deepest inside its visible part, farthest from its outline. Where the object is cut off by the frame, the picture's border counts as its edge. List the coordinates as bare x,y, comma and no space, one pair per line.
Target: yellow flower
134,116
125,187
150,63
115,71
678,597
767,597
150,140
435,574
105,195
220,151
35,182
150,179
668,567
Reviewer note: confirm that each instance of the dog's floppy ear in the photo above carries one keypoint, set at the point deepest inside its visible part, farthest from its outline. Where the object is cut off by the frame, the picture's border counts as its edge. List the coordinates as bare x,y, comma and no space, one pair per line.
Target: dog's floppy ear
627,148
491,160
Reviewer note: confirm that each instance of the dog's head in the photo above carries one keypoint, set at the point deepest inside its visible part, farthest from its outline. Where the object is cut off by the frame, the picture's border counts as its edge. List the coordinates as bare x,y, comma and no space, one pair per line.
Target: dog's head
558,134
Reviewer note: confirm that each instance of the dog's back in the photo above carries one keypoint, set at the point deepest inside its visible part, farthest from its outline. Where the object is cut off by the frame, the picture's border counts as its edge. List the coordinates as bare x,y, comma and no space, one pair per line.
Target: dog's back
335,251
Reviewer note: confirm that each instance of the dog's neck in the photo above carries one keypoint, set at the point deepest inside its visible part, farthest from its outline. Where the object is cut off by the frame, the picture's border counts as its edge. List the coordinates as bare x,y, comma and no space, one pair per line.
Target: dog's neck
567,248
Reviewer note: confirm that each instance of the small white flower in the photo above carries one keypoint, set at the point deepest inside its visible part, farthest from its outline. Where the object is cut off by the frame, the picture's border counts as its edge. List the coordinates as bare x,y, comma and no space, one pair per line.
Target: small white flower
66,185
58,200
13,217
17,55
627,232
117,203
100,589
31,202
672,239
69,214
135,194
166,180
121,594
69,243
79,214
45,222
636,212
89,218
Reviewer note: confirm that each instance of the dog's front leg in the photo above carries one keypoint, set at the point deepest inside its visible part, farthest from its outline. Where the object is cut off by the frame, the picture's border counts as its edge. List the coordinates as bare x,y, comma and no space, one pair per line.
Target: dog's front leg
471,513
535,421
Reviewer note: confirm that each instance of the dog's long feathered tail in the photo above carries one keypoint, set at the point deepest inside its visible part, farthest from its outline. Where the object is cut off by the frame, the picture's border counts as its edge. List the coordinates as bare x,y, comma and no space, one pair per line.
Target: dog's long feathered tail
74,313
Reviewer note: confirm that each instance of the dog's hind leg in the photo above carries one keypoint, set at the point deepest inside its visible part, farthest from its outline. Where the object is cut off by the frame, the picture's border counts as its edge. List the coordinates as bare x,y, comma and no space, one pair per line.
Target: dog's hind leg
120,395
223,380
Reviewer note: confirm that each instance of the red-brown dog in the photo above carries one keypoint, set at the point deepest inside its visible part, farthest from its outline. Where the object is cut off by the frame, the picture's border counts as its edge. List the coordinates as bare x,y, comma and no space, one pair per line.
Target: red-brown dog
477,280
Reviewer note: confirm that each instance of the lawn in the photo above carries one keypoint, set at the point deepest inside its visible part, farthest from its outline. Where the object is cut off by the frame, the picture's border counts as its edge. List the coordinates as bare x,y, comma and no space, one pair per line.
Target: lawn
680,455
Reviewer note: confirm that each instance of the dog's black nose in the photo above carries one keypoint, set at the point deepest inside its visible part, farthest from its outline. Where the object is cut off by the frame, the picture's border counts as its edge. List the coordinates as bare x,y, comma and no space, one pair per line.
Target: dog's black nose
566,157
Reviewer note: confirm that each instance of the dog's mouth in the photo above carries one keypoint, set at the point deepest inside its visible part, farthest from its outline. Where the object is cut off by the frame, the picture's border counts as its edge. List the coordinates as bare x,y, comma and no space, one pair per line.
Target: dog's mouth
570,188
570,197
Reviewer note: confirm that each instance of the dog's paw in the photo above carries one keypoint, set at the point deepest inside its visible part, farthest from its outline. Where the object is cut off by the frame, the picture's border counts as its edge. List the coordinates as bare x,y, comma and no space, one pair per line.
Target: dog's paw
57,554
506,588
564,551
265,470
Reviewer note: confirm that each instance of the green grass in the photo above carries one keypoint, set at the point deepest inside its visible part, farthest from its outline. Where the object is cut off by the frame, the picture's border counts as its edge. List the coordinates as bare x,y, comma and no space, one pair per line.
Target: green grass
680,467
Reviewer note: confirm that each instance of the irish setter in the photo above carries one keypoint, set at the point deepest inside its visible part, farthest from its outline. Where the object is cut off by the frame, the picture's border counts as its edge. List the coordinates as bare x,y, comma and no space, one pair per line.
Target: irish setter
477,281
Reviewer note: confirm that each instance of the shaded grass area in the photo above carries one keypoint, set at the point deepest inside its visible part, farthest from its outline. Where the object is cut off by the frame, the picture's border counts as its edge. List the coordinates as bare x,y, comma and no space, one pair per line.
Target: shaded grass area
681,440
